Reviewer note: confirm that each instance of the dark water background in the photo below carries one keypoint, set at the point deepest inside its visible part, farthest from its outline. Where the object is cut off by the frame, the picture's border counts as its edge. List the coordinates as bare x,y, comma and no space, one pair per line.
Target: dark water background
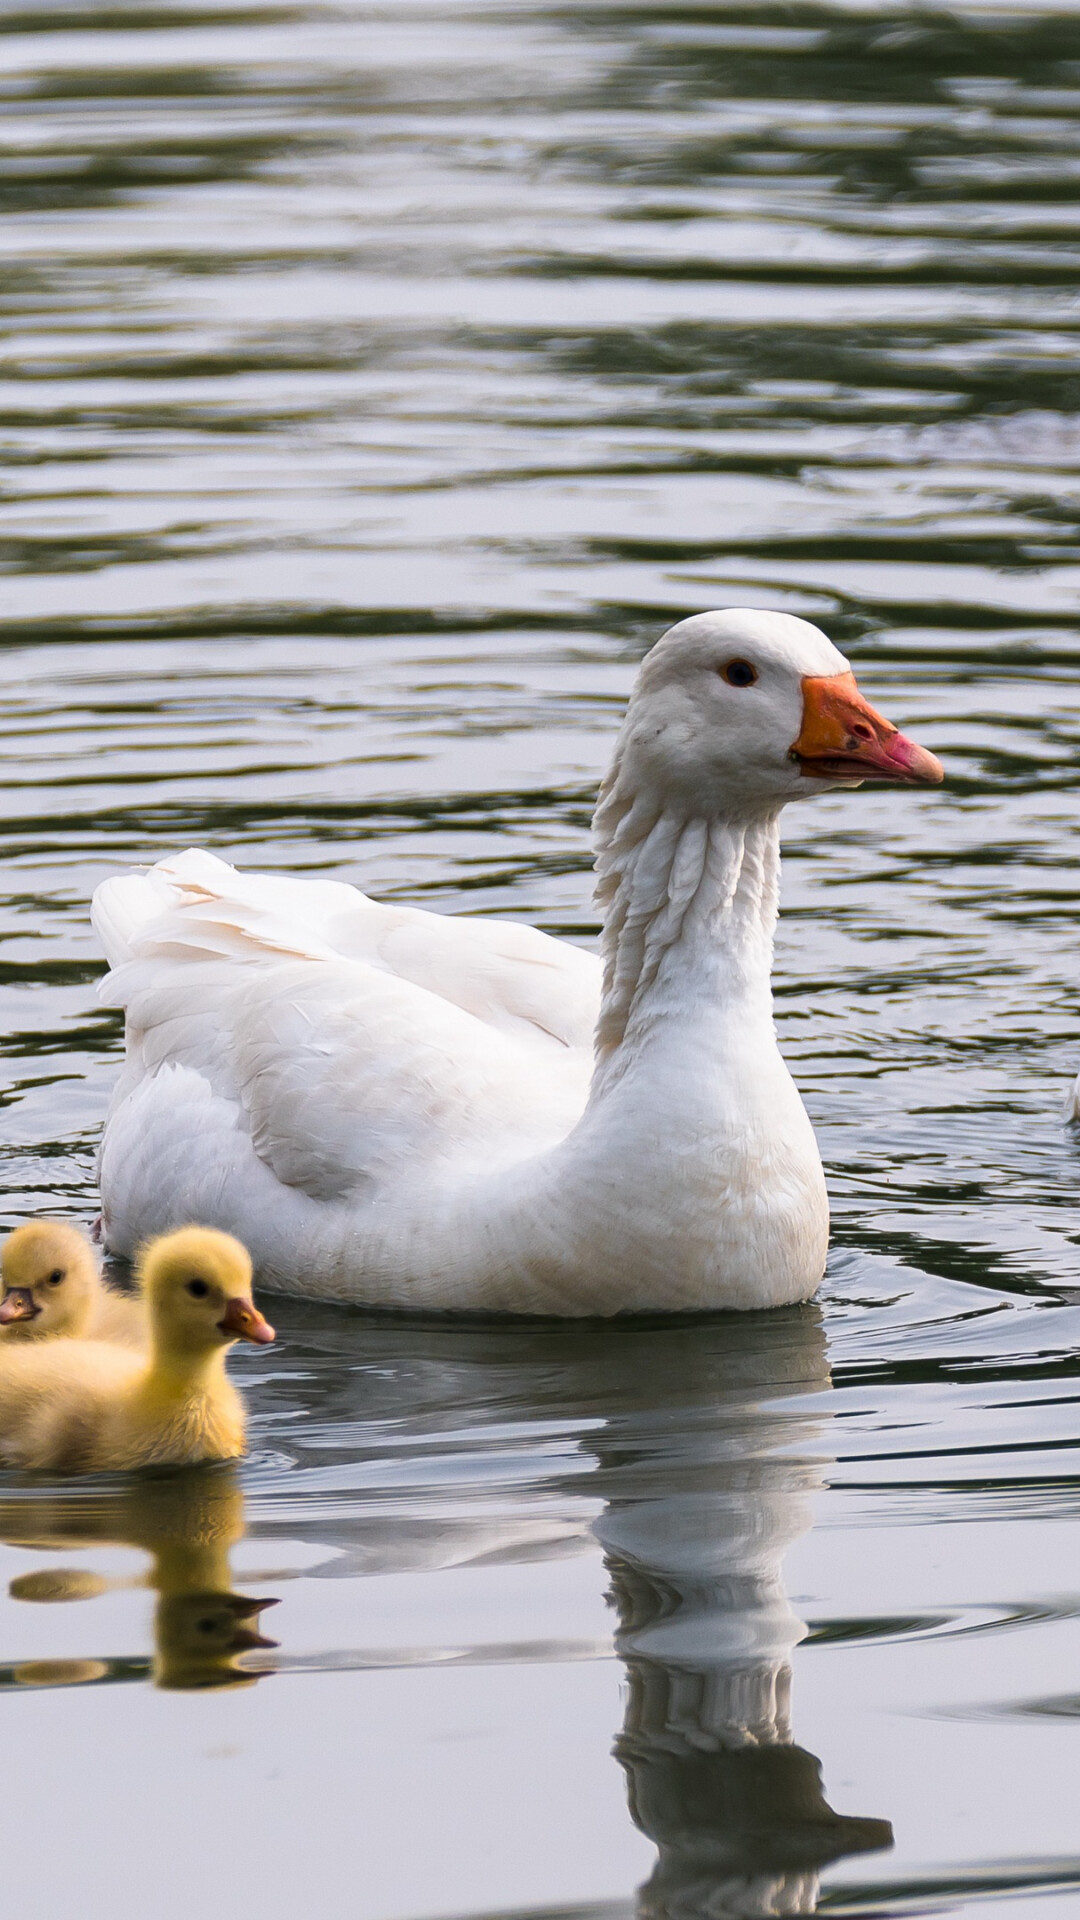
376,383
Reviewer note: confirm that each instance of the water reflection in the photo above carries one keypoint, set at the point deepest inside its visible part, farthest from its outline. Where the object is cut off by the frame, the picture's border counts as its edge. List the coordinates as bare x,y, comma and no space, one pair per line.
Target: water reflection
187,1522
695,1551
690,1454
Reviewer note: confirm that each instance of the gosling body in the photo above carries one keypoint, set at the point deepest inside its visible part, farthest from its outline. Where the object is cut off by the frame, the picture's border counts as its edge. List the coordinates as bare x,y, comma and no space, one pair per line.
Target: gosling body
88,1406
53,1290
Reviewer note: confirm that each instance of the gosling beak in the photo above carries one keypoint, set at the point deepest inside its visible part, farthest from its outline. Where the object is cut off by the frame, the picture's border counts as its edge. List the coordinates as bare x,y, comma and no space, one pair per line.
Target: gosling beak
246,1639
18,1303
242,1320
843,738
247,1609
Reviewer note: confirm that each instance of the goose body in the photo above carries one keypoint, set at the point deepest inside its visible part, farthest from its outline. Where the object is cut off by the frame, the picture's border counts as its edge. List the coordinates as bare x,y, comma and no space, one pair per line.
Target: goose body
415,1110
82,1406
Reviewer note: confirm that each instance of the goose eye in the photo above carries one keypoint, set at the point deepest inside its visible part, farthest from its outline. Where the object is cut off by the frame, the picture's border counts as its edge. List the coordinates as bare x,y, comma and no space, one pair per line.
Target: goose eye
739,673
198,1288
55,1277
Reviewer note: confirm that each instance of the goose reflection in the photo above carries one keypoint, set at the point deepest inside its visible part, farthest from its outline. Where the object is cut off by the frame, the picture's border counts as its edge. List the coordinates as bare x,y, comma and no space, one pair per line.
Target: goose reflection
694,1535
187,1521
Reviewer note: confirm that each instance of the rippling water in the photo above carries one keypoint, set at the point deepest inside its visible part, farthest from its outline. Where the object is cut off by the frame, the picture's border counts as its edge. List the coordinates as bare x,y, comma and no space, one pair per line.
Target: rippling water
376,383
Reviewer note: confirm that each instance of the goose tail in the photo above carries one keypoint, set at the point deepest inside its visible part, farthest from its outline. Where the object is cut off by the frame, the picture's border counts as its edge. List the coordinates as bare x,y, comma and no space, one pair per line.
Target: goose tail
124,905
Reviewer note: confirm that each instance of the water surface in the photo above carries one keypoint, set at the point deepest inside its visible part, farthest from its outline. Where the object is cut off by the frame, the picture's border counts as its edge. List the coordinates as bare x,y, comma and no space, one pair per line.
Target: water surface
376,383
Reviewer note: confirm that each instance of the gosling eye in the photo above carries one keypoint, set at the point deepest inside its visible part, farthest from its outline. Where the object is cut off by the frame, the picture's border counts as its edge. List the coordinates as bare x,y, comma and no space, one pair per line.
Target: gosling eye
198,1288
55,1277
739,673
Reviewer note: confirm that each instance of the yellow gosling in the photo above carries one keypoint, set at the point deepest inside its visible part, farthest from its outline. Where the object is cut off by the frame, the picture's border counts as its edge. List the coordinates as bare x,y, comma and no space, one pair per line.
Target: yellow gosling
52,1289
85,1406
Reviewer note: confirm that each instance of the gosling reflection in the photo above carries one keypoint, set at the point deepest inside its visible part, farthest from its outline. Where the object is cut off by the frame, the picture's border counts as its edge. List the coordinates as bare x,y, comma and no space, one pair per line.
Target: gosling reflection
199,1637
187,1522
694,1545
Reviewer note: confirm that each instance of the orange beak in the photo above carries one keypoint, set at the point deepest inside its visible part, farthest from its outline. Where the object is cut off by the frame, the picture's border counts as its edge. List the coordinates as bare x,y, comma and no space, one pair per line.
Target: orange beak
843,738
242,1320
18,1303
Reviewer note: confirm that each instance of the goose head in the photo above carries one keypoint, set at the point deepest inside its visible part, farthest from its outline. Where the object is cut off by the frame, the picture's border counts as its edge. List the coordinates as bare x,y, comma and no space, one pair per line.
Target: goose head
744,711
50,1280
198,1289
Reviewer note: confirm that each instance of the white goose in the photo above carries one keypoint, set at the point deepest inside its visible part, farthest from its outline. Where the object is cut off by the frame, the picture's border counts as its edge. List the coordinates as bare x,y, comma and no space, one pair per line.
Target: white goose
418,1110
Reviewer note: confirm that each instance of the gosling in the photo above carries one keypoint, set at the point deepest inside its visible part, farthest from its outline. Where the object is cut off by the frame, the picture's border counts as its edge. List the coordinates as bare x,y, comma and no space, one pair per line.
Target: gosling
52,1290
85,1406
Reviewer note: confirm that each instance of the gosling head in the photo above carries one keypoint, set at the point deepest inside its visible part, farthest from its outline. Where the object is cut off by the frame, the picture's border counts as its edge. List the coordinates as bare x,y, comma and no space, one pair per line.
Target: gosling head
200,1635
198,1290
751,708
50,1279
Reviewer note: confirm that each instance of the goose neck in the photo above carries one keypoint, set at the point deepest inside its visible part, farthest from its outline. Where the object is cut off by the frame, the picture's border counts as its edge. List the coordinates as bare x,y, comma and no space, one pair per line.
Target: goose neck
690,907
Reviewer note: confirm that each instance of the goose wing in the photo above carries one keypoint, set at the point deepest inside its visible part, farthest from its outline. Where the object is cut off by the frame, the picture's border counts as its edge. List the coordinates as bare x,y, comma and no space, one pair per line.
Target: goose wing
510,976
356,1044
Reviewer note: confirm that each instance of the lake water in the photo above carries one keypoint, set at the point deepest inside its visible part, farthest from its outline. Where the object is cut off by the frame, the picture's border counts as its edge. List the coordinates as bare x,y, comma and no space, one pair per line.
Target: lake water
376,383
